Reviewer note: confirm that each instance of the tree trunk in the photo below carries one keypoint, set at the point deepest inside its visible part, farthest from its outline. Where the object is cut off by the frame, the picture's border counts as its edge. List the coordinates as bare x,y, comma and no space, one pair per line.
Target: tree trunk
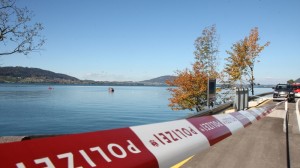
252,80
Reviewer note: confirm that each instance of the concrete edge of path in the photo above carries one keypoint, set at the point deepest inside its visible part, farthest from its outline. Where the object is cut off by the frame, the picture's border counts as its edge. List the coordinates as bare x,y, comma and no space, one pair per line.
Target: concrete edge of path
297,114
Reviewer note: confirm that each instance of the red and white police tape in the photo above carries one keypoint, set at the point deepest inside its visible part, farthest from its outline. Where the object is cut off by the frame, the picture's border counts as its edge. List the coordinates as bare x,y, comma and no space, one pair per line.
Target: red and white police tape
153,145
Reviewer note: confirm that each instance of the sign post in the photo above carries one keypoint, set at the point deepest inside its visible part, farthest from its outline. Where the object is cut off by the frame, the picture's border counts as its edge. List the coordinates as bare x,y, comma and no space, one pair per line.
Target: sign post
211,92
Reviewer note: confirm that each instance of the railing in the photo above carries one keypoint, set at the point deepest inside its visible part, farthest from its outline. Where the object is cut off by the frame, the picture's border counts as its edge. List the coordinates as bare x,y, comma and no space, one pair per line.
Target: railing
221,107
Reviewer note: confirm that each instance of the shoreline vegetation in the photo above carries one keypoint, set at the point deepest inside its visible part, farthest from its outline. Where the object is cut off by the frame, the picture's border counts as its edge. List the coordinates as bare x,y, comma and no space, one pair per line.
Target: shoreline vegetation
25,75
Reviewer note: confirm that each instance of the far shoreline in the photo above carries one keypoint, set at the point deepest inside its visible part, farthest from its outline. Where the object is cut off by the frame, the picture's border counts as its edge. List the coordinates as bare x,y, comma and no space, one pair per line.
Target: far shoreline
109,84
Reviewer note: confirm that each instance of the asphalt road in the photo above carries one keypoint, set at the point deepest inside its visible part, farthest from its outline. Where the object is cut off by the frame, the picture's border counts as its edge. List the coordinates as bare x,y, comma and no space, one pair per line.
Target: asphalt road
261,145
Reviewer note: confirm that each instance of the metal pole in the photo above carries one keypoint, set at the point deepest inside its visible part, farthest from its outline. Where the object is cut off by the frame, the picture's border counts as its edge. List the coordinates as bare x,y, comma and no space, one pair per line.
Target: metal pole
239,100
247,98
244,99
207,92
287,138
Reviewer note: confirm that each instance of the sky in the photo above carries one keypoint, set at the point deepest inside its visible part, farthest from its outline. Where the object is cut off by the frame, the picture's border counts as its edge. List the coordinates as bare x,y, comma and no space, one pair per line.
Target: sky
134,40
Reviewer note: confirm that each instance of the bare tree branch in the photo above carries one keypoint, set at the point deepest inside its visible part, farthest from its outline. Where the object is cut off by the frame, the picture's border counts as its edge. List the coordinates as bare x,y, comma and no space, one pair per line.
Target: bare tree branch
17,33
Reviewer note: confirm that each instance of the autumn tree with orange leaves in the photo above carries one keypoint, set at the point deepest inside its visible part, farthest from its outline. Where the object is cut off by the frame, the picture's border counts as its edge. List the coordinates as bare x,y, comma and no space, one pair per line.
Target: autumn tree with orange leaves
242,58
190,91
236,65
190,86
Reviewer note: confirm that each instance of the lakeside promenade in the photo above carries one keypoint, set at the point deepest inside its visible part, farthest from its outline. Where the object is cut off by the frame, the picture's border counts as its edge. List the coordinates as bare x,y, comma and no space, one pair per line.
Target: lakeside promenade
261,145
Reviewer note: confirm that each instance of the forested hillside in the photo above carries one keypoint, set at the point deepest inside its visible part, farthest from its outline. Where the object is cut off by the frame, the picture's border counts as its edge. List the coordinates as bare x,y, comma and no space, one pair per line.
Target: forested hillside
33,75
159,80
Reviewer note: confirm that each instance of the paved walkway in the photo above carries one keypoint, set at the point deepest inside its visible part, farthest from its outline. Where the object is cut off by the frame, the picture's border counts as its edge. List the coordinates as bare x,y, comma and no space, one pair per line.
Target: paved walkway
261,145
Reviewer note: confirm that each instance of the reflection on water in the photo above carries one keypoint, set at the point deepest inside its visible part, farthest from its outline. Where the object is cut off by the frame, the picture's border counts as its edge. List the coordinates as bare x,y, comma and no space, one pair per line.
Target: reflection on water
34,109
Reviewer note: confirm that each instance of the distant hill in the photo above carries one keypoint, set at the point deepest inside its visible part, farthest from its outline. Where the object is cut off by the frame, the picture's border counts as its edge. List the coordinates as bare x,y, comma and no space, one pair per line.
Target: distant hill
159,80
33,75
297,81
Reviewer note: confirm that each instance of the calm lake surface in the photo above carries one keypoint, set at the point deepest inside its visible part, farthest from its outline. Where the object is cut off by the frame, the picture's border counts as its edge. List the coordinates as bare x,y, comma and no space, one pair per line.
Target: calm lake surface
36,110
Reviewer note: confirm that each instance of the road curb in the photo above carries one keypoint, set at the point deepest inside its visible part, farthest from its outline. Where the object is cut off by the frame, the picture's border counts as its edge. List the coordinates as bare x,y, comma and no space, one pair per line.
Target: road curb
297,114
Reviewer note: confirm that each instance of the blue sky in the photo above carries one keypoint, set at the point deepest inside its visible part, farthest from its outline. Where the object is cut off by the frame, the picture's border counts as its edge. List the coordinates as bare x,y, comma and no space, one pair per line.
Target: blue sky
133,40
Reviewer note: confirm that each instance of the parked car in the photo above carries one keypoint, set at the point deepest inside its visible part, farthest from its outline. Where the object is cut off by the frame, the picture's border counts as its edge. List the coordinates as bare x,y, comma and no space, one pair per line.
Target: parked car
296,87
283,92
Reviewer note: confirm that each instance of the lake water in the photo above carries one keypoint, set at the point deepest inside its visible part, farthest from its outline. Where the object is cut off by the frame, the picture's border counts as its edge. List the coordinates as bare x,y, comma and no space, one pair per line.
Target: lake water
36,110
